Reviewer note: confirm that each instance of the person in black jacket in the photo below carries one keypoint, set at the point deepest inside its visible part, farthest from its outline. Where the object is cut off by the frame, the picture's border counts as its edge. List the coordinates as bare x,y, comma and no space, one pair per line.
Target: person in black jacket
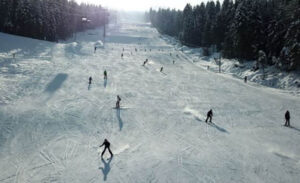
287,118
106,145
209,116
90,80
105,75
118,102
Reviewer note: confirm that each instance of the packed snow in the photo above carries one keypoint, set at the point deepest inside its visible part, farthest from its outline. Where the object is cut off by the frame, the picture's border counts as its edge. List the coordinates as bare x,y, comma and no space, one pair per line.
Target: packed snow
52,122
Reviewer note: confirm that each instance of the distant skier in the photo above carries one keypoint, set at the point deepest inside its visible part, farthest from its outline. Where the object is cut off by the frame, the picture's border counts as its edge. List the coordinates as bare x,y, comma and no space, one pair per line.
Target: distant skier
173,61
287,119
145,62
105,75
106,145
122,55
161,69
95,48
90,80
118,102
209,116
245,79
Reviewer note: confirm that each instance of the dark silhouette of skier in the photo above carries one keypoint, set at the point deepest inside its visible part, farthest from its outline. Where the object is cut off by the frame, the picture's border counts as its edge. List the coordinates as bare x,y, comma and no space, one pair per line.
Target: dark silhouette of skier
161,69
106,145
209,116
90,80
122,55
287,119
95,48
118,102
245,79
145,62
105,75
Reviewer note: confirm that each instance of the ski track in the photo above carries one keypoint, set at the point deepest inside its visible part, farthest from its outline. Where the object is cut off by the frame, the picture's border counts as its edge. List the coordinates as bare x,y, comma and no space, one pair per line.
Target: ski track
52,122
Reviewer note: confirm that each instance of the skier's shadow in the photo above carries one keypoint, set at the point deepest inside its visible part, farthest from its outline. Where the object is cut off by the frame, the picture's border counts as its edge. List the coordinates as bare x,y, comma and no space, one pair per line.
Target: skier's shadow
118,112
218,127
106,168
105,83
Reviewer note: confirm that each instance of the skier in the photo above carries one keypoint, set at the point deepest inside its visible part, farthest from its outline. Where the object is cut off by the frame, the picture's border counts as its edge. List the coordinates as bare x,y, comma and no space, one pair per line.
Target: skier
173,61
105,75
106,145
145,62
90,80
287,119
118,102
95,48
161,69
245,79
122,55
209,115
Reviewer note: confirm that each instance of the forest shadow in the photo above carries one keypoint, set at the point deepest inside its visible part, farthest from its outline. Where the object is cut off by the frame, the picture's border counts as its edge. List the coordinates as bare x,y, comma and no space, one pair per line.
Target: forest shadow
56,83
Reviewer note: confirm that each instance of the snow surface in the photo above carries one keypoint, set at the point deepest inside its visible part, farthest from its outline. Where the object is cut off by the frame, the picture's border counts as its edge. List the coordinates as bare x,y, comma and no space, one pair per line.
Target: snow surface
288,82
51,122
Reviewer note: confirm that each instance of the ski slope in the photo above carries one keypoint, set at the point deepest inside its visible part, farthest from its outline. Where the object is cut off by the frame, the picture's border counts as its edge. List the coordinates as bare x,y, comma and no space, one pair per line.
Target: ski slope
51,122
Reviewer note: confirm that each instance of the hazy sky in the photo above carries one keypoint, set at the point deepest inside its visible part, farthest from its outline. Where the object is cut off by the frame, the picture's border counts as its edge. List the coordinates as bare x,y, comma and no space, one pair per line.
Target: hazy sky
142,5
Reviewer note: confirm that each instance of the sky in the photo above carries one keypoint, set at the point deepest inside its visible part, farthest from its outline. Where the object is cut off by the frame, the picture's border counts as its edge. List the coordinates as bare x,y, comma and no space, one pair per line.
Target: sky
142,5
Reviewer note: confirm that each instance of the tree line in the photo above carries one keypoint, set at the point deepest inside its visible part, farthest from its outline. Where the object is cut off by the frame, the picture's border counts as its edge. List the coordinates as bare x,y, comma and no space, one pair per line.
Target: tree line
49,20
243,29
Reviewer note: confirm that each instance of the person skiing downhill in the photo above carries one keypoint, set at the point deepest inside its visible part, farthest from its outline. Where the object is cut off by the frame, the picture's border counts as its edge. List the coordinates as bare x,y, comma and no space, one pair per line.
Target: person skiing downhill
161,69
90,80
287,119
118,102
106,145
122,55
245,79
145,62
209,116
105,75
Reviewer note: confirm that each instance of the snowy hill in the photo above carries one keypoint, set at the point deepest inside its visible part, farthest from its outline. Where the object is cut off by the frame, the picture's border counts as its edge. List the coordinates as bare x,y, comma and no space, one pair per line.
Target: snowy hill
51,122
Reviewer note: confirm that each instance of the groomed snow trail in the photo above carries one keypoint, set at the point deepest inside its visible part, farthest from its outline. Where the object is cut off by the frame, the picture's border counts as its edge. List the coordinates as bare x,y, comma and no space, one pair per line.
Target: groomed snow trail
51,122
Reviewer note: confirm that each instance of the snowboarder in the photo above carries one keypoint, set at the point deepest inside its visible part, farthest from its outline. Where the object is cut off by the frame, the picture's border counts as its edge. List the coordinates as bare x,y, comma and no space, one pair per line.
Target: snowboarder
106,145
209,115
161,69
287,119
90,80
145,62
118,102
245,79
105,75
